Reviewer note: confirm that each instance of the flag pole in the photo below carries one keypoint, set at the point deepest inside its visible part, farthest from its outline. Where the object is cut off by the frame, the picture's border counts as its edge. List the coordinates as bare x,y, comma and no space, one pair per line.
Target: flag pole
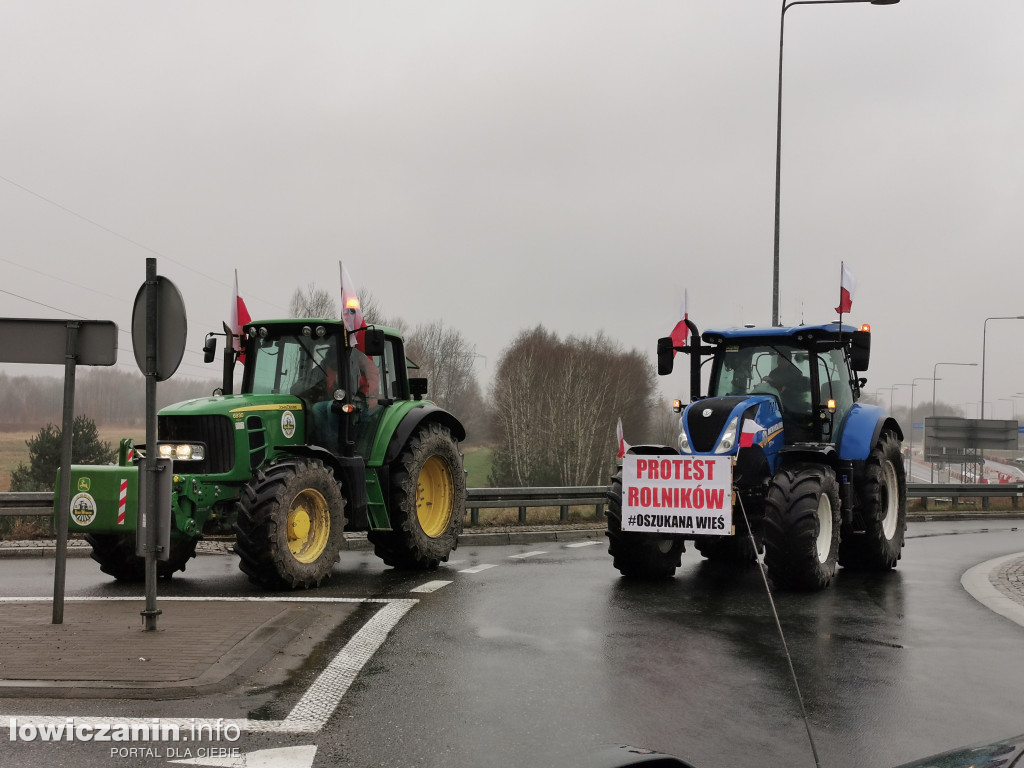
841,265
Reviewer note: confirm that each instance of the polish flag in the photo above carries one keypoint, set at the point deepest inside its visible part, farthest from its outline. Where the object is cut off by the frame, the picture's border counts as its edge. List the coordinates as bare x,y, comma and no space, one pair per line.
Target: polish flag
750,428
681,331
847,285
239,317
351,310
623,445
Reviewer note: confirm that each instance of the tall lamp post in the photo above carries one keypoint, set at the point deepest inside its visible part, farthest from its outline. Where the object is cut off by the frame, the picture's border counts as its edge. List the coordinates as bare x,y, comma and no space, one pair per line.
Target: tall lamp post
910,461
984,331
892,391
786,5
935,369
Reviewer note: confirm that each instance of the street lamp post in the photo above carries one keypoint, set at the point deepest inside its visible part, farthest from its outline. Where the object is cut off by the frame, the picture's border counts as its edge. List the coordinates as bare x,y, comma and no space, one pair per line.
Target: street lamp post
913,386
984,332
892,391
786,5
935,369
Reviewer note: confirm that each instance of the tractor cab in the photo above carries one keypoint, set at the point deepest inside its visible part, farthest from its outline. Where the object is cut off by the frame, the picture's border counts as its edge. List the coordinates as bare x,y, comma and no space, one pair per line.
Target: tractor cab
811,371
344,380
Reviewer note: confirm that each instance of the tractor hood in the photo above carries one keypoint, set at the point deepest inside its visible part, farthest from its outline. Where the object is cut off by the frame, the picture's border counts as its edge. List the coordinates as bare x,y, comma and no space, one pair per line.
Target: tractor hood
722,425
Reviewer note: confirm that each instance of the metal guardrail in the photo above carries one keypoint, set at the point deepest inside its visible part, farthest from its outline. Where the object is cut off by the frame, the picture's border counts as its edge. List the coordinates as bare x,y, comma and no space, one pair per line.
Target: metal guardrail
41,504
523,498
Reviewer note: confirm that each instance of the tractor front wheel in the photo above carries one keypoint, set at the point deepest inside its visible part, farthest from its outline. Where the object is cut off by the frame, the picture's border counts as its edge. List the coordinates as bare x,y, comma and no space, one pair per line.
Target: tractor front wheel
290,527
637,554
802,521
881,488
428,502
115,552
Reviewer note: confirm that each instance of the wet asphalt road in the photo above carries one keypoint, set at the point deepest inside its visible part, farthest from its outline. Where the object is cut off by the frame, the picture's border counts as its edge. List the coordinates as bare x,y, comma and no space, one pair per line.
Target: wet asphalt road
549,654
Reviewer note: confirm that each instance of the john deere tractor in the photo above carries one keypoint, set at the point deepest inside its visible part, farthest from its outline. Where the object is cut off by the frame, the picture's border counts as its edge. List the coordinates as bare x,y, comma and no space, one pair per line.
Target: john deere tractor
329,434
778,457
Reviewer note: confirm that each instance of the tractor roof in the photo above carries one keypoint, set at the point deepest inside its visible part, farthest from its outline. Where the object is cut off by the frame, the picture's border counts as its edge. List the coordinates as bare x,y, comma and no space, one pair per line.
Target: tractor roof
800,334
334,324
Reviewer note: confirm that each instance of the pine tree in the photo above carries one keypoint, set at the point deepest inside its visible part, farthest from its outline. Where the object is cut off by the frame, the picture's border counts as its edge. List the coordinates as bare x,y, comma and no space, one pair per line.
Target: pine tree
44,455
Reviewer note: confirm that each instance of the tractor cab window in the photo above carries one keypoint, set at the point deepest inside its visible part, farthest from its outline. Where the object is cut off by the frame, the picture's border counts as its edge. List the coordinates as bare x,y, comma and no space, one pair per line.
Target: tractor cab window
834,382
293,364
764,369
769,369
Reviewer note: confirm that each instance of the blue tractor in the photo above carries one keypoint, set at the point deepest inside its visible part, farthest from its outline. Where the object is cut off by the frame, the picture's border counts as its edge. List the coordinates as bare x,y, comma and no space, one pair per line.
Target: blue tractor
778,457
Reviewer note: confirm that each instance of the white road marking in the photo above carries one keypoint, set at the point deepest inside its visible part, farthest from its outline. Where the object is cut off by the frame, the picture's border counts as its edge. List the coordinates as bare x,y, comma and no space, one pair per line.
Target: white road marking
281,757
315,706
430,586
525,555
478,568
582,544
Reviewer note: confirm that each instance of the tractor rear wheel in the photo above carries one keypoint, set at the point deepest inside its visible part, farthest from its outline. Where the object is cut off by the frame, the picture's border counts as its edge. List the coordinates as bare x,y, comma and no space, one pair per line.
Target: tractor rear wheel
115,552
881,490
290,527
802,521
428,502
636,554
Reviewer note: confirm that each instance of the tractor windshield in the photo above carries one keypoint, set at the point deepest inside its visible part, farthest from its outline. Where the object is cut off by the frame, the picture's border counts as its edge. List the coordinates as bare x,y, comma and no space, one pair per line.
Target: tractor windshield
772,369
293,364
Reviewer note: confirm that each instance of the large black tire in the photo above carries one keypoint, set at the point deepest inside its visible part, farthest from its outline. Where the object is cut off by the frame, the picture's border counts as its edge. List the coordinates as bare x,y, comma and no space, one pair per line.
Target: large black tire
290,527
802,522
115,552
428,502
881,493
639,555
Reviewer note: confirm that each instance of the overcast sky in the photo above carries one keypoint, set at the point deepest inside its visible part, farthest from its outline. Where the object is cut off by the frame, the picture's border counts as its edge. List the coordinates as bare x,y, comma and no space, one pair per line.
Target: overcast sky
576,163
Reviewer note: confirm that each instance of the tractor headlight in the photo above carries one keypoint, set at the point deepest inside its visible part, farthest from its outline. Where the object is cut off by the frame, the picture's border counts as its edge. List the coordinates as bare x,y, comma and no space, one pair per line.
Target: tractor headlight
182,451
728,441
684,442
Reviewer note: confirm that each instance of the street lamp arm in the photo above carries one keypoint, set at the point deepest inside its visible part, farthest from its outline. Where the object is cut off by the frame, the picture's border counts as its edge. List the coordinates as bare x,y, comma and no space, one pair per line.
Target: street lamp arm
786,5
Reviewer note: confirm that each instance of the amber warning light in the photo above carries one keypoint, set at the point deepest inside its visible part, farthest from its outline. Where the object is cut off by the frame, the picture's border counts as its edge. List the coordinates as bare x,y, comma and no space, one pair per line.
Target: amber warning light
866,327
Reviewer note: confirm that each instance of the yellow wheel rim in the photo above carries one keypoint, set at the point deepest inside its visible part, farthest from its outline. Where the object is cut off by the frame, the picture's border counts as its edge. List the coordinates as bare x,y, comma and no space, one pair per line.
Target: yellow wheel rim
309,526
435,495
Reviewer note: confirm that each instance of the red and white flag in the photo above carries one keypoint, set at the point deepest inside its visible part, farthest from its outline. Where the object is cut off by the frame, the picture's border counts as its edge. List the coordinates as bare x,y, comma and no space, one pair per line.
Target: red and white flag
750,428
847,285
351,310
681,332
239,317
623,445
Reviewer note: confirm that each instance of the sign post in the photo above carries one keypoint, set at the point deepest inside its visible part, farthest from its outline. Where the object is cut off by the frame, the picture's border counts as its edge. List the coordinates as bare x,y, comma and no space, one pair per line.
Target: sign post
159,330
67,342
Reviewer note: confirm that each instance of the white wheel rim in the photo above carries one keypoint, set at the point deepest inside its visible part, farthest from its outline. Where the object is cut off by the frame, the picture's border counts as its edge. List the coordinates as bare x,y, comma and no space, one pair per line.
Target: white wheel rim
890,499
824,541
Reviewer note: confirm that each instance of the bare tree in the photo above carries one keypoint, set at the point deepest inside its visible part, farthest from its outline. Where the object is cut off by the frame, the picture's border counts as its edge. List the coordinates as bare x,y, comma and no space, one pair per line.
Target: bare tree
312,302
556,403
445,358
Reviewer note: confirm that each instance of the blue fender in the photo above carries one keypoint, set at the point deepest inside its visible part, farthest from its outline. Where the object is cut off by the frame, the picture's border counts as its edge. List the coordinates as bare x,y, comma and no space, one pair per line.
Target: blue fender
860,431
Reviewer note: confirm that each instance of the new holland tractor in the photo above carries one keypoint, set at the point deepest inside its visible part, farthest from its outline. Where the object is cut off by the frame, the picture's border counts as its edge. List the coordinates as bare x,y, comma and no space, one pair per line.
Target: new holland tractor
329,434
778,458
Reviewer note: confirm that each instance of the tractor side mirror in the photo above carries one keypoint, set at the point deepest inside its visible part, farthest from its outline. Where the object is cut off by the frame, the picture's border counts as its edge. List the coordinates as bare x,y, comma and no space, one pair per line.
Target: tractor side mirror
666,353
860,350
209,348
373,342
418,387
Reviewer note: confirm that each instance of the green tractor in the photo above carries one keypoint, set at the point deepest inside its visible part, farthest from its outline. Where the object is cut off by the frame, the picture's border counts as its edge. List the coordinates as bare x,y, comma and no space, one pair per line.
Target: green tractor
329,434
